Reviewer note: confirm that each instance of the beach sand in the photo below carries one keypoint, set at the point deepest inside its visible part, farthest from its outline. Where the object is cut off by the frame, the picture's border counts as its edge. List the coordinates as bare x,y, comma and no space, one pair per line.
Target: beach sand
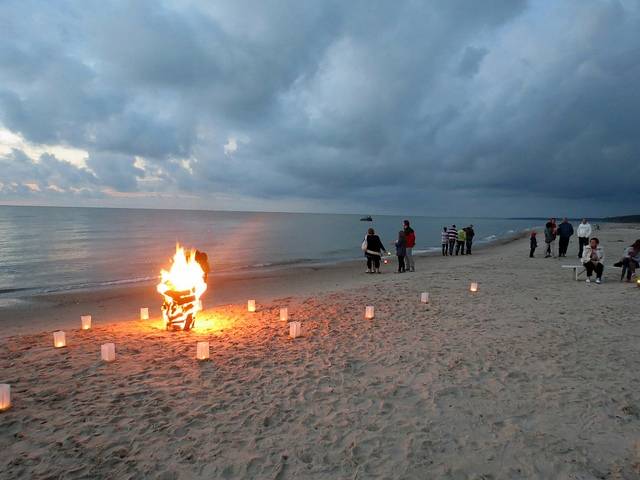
533,376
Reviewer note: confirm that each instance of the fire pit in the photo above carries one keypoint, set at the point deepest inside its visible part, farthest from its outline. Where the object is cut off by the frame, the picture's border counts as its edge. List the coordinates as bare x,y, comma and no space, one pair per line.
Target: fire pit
181,287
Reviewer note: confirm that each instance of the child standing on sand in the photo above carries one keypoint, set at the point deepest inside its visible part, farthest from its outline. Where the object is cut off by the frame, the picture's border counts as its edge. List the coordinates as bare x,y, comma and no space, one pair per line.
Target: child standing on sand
533,243
401,250
445,242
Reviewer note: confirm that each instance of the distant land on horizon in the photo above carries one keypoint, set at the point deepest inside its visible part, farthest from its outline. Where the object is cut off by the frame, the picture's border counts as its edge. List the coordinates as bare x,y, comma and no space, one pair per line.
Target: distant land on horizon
620,219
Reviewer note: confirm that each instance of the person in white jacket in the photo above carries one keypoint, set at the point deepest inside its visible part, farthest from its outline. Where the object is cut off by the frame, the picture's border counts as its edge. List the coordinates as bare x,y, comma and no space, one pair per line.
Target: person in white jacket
593,260
584,232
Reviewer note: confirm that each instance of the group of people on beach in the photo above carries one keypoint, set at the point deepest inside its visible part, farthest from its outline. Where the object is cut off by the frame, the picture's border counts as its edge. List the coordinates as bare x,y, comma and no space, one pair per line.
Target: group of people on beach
374,249
453,239
590,252
459,239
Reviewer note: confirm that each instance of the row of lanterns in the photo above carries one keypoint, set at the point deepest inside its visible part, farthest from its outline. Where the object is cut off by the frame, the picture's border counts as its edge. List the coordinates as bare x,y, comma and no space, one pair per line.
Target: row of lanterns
108,350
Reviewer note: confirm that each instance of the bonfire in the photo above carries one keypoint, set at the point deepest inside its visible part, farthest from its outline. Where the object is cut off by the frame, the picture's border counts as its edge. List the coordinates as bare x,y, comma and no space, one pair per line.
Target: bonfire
181,287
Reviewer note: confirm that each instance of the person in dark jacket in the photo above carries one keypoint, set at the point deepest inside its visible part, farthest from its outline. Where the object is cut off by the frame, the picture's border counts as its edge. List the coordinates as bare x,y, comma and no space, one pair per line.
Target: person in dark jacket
401,250
410,236
565,230
549,238
374,251
533,243
470,235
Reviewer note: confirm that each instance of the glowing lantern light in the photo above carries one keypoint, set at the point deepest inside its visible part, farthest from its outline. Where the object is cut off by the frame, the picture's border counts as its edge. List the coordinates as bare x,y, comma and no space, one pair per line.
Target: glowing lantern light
85,321
369,312
5,396
473,287
182,286
108,352
59,339
284,314
424,297
295,329
144,313
202,350
251,306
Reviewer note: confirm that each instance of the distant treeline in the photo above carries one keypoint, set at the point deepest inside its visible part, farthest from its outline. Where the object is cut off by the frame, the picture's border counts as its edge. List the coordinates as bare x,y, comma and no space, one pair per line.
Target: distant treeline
623,219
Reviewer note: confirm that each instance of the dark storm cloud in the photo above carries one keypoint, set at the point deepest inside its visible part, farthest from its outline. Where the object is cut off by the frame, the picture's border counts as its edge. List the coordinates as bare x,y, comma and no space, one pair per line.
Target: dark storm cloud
373,103
470,61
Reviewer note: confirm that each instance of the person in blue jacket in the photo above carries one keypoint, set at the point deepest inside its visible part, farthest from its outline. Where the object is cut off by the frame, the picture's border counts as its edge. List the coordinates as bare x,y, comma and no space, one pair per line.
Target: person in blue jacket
565,230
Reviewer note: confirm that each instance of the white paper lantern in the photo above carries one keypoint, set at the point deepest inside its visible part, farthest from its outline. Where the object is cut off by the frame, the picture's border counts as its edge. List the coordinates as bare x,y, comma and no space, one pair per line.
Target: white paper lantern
369,312
295,329
5,396
284,314
202,350
474,287
85,321
144,313
108,352
424,297
251,305
59,339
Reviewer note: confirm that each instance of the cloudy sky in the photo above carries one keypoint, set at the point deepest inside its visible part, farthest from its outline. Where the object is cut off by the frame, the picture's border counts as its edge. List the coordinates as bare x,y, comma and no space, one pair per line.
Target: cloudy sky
451,107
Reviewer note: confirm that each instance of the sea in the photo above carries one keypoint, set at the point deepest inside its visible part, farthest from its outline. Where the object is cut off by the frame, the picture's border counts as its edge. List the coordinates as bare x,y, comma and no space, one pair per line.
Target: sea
52,249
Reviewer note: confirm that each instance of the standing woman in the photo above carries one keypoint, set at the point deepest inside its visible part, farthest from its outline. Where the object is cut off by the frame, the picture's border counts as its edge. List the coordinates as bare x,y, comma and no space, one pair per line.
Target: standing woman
549,237
410,238
401,251
373,251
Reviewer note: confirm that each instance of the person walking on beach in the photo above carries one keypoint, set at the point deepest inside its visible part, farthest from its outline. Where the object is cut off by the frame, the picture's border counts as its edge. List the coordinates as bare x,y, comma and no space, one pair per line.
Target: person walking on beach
373,250
410,236
533,243
549,237
470,234
444,236
461,240
593,260
453,236
401,250
565,230
584,232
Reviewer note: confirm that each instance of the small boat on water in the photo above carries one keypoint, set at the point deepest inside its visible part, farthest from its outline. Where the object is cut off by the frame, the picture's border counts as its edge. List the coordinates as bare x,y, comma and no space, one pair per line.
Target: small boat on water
366,219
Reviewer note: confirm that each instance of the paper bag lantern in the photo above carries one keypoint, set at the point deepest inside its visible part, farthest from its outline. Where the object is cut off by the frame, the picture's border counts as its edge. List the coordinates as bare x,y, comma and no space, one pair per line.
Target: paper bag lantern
284,314
473,287
108,352
251,305
202,350
85,321
144,313
59,339
5,396
369,312
424,297
295,329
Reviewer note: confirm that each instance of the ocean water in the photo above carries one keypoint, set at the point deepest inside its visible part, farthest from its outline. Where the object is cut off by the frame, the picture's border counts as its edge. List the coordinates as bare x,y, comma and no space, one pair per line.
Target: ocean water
45,249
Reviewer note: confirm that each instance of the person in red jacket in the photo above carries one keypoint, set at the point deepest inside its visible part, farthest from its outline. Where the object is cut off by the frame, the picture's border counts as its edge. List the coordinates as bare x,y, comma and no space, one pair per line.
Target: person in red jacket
410,236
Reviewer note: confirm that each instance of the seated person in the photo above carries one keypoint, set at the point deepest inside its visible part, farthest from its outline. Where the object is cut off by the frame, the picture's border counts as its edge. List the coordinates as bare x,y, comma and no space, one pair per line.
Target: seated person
593,260
631,260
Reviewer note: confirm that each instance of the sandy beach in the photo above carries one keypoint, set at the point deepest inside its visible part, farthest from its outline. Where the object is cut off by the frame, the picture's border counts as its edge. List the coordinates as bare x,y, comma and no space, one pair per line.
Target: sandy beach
533,376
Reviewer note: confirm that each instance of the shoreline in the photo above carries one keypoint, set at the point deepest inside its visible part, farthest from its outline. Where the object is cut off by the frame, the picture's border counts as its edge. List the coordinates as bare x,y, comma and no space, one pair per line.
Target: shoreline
111,303
26,295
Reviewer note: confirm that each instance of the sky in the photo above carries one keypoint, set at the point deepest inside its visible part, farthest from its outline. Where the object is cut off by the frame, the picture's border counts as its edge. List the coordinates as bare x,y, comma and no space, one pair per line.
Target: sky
441,107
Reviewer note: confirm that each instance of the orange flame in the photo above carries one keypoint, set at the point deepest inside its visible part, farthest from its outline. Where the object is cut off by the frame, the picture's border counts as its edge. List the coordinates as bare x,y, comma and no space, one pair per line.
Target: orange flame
182,286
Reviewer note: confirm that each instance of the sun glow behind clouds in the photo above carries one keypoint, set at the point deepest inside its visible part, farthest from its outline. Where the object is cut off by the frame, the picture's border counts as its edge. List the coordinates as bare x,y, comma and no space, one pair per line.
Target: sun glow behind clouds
10,141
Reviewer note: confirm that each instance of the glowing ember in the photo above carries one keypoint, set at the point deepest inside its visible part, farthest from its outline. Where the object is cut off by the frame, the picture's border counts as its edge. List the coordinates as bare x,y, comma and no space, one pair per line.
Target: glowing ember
182,286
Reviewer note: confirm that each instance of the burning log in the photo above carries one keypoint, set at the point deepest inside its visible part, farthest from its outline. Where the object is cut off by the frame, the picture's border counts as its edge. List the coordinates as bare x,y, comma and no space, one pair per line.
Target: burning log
181,287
